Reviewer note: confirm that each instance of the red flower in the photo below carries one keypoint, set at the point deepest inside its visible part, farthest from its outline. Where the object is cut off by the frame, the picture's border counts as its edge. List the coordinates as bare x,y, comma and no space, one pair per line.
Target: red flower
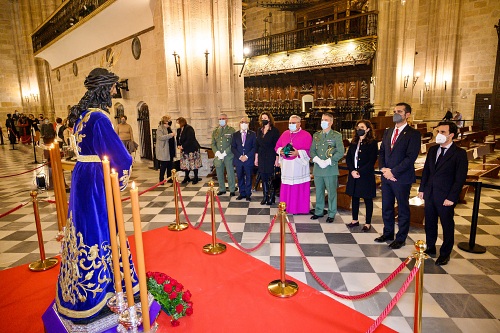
175,323
149,275
167,288
186,296
161,278
189,311
173,295
179,286
179,308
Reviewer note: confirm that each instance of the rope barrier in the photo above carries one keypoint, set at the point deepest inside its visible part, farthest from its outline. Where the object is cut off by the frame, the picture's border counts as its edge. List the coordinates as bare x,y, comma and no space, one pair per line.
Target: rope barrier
202,216
327,288
14,209
17,174
149,189
183,207
232,237
393,302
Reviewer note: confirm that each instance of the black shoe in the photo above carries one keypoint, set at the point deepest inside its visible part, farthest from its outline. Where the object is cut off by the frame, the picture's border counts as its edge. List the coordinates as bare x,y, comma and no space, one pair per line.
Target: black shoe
240,197
329,219
441,260
430,251
221,193
249,199
185,181
231,194
264,200
383,238
170,181
396,245
194,182
312,212
352,224
315,217
367,227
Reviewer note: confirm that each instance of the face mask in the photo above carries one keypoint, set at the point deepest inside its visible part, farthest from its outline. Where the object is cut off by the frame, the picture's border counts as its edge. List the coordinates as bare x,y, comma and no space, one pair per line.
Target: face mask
441,138
324,125
169,123
222,122
244,127
46,121
397,118
360,132
292,127
265,122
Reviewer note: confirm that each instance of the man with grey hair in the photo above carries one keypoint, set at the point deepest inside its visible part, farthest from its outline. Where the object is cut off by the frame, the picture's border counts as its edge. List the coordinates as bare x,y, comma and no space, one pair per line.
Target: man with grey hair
221,146
293,149
243,149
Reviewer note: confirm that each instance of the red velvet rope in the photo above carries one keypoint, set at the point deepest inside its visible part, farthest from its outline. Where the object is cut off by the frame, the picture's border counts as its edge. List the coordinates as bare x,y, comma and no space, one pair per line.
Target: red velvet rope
185,214
17,174
235,241
14,209
393,302
327,288
149,189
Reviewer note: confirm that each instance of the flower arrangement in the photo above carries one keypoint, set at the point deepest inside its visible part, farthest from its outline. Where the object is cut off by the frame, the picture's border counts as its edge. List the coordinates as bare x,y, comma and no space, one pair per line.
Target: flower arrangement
169,293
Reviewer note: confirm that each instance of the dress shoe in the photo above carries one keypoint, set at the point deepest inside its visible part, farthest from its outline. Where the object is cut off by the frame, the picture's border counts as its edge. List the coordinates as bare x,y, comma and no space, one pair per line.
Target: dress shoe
240,197
312,211
194,182
185,181
329,219
430,251
231,194
170,181
352,224
221,192
442,260
315,217
249,199
396,245
367,227
383,238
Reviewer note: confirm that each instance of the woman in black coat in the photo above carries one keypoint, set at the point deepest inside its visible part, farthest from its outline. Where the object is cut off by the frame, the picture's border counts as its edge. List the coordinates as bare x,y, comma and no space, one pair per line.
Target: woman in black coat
265,158
190,150
361,158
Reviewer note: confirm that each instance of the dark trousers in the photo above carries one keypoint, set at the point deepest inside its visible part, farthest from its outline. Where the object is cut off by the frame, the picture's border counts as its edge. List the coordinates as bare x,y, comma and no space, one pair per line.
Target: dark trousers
392,191
165,166
369,209
244,174
433,210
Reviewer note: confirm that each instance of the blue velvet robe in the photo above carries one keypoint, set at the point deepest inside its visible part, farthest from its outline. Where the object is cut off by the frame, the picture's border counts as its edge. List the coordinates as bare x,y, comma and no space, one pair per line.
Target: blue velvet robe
85,280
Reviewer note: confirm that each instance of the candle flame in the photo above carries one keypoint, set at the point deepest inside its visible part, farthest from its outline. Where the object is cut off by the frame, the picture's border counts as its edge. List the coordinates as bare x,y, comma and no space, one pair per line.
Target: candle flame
113,170
105,158
133,185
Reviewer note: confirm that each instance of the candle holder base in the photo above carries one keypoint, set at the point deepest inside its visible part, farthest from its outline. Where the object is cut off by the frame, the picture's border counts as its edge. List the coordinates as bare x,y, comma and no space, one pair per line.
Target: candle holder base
118,303
43,265
177,227
282,289
216,248
129,320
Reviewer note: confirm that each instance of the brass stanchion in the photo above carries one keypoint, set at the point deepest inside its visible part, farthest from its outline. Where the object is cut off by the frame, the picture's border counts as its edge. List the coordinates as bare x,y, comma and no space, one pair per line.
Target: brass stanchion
282,287
54,182
420,257
43,264
214,248
61,183
177,226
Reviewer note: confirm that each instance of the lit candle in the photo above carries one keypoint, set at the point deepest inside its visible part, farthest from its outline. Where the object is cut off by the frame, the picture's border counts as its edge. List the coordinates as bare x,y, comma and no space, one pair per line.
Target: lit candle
112,225
123,238
141,267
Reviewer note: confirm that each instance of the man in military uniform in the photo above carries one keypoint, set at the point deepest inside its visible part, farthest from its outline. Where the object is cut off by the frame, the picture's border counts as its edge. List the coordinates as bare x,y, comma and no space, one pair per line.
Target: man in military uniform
326,150
221,146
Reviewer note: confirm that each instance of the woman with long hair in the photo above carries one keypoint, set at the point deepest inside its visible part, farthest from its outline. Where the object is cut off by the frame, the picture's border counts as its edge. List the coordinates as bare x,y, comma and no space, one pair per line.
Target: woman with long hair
361,158
265,158
190,150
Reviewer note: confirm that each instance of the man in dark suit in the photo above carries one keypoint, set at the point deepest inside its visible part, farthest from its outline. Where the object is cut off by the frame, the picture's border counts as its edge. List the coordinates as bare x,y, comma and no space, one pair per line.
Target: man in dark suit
398,151
444,174
243,149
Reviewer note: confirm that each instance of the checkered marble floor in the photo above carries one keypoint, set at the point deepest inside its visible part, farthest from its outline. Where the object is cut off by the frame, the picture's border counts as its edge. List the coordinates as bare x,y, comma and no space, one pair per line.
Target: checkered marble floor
463,296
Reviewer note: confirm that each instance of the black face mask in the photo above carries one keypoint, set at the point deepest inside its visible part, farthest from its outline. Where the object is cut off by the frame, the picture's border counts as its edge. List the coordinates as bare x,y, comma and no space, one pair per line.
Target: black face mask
265,122
360,132
169,123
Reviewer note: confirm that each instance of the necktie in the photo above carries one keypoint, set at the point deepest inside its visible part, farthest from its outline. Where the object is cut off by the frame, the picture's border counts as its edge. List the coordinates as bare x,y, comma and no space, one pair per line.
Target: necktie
395,137
440,155
243,137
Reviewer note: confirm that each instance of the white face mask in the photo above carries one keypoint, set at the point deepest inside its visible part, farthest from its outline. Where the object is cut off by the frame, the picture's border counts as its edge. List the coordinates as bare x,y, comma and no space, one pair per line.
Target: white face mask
292,127
244,126
441,138
222,122
324,124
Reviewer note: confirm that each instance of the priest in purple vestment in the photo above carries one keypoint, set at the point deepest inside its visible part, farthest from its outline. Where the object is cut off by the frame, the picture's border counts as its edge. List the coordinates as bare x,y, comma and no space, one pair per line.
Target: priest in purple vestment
293,149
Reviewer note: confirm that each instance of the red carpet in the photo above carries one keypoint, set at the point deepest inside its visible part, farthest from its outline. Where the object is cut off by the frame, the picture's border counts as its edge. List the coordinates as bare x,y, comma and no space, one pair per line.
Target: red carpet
229,292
